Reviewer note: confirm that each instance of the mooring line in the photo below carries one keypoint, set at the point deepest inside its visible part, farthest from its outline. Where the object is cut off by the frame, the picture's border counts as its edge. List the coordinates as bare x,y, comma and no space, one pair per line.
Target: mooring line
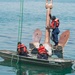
12,59
17,58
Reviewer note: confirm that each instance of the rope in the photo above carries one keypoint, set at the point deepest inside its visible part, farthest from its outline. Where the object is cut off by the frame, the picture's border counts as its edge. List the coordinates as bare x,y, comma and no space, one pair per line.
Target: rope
20,21
12,59
16,62
20,24
19,28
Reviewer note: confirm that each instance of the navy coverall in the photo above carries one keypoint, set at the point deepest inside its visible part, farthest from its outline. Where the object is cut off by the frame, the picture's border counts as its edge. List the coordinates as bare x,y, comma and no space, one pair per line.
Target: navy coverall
55,33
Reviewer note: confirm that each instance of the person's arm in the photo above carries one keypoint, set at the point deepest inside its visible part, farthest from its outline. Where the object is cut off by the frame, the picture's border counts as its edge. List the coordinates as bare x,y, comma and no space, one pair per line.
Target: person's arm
50,16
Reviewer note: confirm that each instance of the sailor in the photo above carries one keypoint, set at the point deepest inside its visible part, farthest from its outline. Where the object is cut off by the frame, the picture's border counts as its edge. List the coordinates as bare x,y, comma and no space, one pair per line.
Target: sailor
42,52
55,30
22,49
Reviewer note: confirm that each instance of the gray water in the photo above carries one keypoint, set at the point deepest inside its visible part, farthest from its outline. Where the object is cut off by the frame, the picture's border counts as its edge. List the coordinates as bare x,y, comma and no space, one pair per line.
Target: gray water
34,16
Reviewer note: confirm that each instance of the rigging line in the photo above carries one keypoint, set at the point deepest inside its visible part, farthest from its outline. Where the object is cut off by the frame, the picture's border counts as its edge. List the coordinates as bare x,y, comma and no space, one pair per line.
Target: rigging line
20,21
19,27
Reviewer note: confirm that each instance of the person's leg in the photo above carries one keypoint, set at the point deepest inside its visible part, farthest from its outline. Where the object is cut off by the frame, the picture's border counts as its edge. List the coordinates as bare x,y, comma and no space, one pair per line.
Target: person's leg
24,54
55,36
45,56
56,39
39,56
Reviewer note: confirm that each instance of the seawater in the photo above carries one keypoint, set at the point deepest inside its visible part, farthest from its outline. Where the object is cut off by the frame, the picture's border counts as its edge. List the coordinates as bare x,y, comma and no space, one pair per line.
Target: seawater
34,16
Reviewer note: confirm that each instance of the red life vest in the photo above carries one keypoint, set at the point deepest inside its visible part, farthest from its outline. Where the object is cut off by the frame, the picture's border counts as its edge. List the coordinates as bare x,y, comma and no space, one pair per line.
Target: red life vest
52,23
42,50
22,47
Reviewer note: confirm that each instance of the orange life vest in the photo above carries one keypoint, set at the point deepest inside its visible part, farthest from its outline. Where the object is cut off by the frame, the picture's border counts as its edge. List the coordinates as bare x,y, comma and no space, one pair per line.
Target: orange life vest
42,50
22,47
52,23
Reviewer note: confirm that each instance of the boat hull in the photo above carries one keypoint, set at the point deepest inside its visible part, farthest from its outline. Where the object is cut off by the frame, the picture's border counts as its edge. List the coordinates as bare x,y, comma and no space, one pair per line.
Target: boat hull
51,62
